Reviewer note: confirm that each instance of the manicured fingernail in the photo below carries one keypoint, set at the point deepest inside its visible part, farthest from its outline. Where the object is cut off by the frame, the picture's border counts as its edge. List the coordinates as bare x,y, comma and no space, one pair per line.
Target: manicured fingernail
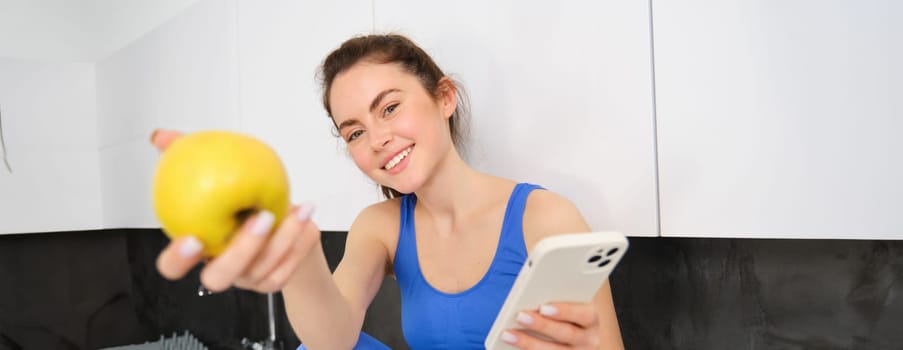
190,247
548,310
524,318
304,212
509,337
263,223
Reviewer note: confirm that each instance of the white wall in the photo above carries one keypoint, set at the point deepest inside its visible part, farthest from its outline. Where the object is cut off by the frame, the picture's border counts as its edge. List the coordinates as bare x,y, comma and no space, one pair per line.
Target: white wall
49,128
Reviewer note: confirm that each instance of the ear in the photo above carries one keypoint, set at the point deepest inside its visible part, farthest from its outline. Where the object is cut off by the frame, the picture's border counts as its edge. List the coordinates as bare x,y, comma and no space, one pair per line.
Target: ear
448,97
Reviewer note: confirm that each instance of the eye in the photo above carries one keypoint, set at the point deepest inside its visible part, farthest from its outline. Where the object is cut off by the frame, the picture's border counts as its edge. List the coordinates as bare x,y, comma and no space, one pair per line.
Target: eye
353,135
389,109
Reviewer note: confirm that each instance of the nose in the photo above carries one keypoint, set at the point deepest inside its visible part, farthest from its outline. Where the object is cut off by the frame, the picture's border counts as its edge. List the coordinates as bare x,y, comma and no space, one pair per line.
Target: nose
382,135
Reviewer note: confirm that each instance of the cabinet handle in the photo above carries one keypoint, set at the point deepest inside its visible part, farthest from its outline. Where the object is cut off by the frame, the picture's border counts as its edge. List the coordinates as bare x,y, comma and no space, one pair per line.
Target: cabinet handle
3,145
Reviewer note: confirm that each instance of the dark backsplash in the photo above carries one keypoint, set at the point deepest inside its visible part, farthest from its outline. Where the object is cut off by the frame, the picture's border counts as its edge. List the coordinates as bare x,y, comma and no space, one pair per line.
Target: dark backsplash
96,289
761,294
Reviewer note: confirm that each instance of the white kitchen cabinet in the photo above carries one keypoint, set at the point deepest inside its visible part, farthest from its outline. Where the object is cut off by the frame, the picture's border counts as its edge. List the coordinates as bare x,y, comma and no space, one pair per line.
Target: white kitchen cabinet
561,95
49,130
767,118
779,118
78,31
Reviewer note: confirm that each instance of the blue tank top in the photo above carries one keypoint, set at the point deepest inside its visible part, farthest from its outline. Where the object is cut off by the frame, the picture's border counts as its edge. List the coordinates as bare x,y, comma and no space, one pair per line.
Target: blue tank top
432,319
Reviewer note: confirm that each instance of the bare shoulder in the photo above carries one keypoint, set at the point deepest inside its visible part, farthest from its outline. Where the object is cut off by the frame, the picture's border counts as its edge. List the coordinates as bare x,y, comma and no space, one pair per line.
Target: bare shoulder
548,213
377,219
378,212
378,222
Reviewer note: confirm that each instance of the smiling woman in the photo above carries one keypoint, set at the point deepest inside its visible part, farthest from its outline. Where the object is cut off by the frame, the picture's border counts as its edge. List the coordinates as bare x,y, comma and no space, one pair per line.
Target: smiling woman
453,237
407,58
400,118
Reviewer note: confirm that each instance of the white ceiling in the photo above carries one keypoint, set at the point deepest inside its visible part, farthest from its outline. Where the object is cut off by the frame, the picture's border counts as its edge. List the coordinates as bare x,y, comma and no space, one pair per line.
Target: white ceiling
78,30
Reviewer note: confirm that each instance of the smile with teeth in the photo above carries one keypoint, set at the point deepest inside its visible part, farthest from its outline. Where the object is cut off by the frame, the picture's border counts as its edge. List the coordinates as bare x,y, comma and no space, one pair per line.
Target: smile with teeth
394,161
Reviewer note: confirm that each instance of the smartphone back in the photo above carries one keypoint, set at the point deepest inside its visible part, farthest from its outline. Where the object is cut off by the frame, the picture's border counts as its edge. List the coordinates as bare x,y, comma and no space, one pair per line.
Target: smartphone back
561,268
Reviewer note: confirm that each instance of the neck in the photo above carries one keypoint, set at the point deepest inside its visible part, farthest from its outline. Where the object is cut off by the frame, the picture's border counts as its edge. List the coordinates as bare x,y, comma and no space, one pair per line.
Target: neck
454,190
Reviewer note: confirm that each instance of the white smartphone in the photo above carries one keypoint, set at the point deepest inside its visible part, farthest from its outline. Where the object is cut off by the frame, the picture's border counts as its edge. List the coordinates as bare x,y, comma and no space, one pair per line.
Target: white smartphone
561,268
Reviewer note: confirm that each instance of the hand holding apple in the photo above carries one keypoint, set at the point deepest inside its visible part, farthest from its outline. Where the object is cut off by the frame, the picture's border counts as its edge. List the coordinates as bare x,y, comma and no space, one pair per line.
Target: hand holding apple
221,193
207,183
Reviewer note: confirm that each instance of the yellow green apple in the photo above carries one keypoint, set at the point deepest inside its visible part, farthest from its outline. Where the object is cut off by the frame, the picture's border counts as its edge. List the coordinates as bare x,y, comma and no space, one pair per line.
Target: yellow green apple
207,183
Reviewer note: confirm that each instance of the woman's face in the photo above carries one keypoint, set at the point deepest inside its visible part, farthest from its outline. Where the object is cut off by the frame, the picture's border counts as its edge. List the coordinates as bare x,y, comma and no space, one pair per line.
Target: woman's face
396,132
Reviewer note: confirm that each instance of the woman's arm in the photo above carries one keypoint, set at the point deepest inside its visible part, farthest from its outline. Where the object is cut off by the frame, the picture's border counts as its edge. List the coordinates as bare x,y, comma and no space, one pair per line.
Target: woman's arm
327,310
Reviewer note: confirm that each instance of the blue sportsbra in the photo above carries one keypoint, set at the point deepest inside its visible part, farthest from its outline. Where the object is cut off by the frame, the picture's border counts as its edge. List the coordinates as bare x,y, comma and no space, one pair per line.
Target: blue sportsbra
432,319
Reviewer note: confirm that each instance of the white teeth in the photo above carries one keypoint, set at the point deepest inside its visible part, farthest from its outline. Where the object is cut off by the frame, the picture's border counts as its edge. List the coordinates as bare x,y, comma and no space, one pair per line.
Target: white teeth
392,163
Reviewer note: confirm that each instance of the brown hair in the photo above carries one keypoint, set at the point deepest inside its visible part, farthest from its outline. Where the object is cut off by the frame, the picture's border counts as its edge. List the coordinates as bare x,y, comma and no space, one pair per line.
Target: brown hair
394,48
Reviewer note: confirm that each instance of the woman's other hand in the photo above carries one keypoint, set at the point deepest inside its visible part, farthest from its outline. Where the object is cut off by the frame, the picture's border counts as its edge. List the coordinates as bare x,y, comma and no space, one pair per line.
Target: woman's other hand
563,325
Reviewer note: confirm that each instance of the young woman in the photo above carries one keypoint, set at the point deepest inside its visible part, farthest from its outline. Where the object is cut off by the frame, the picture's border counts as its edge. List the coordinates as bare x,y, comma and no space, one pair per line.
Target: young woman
453,238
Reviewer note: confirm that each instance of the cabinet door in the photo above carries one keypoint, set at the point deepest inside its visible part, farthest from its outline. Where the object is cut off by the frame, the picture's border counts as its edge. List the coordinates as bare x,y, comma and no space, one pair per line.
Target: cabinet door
183,76
560,95
779,118
281,45
47,112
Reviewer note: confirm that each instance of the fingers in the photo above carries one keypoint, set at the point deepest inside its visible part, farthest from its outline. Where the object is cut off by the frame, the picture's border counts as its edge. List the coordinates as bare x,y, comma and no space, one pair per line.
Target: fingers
252,260
561,332
161,138
179,257
282,245
583,315
220,273
309,239
560,323
529,341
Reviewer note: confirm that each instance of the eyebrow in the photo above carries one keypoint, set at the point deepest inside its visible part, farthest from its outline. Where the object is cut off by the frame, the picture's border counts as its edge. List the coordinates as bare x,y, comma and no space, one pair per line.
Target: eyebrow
347,123
376,101
379,98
